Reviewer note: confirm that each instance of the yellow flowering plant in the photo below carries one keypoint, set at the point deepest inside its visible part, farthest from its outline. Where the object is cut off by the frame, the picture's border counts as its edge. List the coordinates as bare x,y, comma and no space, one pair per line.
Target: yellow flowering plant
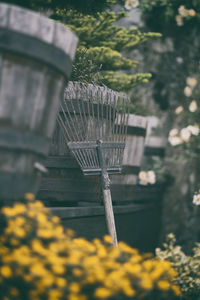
39,259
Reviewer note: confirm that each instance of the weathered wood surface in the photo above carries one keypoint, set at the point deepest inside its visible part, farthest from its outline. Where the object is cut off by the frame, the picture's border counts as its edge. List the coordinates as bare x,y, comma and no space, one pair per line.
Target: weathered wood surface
37,26
155,143
137,225
133,152
65,175
30,90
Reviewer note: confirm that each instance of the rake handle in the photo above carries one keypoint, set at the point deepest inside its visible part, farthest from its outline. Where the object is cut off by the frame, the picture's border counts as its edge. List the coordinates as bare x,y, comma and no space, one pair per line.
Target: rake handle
110,220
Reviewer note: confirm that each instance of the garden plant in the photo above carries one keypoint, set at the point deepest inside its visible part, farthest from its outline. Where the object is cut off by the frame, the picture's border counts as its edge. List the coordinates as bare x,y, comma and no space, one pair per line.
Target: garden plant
39,259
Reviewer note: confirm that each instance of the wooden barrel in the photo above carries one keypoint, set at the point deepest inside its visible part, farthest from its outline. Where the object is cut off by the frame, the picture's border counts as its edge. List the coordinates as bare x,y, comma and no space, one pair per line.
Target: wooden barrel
35,64
132,159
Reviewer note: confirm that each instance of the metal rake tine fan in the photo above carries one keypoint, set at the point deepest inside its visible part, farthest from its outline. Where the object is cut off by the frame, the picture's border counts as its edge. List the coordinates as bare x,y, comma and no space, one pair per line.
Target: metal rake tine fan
94,123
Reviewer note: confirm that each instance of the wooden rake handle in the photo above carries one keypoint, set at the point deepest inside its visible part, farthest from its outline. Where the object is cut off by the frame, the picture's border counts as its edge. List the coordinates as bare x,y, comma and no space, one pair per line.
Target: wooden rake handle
110,220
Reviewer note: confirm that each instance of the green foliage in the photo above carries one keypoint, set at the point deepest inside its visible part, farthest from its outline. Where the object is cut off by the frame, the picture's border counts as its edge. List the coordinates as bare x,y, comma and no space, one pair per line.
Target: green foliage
86,6
121,81
187,266
84,69
102,42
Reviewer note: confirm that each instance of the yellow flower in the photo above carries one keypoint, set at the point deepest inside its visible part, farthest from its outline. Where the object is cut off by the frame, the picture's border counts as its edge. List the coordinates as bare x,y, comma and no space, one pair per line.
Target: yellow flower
14,242
42,218
90,261
48,280
6,271
102,293
73,297
29,196
146,283
38,247
58,269
19,208
20,232
38,269
77,272
124,247
55,219
176,290
61,282
163,285
8,211
44,233
107,239
20,221
74,287
54,294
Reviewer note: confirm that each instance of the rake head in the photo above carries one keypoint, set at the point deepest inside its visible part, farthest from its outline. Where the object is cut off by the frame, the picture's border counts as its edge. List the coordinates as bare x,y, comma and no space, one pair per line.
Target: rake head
91,115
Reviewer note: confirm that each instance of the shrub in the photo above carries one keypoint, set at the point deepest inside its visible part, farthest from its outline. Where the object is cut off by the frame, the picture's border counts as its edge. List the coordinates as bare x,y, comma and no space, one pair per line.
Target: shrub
187,267
102,46
39,259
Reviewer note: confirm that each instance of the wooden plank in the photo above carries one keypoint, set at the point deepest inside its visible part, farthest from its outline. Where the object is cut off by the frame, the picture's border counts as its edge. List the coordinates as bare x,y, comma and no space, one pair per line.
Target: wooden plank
61,162
120,193
136,193
74,212
59,184
67,196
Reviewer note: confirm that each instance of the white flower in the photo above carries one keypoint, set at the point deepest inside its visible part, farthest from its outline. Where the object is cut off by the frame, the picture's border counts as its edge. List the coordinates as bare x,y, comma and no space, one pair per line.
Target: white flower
193,106
178,110
191,12
179,60
173,132
193,129
131,4
148,177
175,140
143,178
185,134
151,177
196,199
187,91
191,81
182,11
179,20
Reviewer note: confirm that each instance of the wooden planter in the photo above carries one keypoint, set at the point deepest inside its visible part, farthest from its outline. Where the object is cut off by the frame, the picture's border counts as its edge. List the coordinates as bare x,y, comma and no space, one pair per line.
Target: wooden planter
35,64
